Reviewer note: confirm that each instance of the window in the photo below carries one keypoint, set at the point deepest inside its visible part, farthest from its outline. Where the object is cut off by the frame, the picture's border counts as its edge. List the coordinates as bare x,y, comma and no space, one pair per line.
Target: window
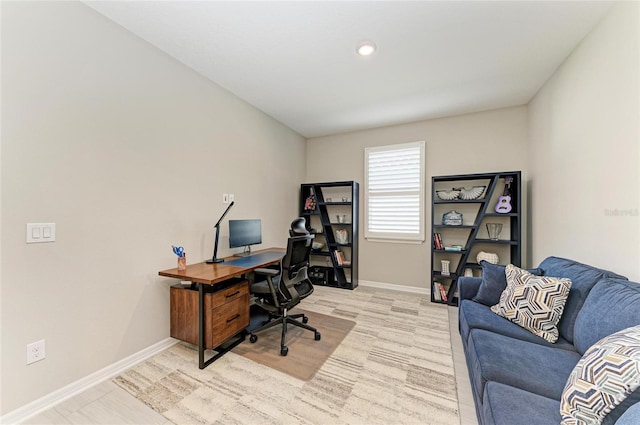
394,192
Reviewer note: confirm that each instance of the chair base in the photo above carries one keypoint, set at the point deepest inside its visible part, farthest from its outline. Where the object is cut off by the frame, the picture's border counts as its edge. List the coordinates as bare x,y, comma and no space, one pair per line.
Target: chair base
284,320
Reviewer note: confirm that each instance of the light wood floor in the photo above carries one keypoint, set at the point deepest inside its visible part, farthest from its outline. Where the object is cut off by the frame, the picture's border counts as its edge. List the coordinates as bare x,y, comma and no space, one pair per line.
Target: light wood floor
465,397
107,403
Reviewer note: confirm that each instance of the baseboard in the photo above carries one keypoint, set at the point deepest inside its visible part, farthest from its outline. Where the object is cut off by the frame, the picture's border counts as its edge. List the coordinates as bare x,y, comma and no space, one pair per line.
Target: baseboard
48,401
394,287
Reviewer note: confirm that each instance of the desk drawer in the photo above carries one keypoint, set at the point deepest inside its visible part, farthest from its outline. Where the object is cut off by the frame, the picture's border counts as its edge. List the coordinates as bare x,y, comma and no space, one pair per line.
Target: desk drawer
230,294
229,319
226,312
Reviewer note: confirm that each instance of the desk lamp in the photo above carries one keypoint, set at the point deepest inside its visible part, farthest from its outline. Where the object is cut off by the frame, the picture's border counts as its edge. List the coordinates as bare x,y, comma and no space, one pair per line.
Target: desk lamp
215,258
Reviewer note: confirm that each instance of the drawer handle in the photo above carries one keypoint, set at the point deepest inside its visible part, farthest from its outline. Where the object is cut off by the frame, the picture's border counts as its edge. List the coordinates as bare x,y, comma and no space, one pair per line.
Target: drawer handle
232,295
233,318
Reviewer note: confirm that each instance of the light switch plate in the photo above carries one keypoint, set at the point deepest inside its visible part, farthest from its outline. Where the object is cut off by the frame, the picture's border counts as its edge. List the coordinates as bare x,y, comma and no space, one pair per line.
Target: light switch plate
41,232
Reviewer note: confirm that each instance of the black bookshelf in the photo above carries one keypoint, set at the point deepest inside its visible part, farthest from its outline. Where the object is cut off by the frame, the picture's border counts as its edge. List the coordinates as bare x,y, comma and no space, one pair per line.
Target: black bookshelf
336,262
471,236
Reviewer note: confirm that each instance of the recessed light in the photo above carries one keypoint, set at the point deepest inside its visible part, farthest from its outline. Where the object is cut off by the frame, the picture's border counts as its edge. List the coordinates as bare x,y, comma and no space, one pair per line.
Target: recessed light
366,48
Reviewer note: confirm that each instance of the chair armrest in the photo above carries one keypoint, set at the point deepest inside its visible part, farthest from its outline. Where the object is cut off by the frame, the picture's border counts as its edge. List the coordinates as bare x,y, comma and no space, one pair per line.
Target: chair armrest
468,287
266,286
267,272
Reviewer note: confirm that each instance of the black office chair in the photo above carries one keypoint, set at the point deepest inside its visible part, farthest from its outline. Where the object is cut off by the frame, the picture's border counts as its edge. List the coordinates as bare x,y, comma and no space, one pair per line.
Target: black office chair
285,287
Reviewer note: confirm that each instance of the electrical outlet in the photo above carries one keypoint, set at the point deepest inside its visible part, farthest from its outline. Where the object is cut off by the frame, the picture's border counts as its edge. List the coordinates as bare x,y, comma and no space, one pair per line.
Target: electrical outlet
232,197
225,198
36,351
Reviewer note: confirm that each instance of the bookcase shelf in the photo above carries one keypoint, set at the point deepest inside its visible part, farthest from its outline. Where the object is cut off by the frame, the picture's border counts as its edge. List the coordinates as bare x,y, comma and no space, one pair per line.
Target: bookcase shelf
471,235
335,264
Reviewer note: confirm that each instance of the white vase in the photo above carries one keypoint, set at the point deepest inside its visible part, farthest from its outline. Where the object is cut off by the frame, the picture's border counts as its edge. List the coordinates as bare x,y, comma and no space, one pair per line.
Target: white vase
444,269
342,237
489,257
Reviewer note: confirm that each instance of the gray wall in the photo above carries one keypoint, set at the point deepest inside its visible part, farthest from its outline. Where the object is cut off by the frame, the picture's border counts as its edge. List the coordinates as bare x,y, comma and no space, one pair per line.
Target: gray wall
127,151
475,143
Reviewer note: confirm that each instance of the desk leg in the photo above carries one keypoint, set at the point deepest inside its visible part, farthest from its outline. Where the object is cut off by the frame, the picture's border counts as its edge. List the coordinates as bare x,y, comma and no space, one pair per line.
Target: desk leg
201,363
222,349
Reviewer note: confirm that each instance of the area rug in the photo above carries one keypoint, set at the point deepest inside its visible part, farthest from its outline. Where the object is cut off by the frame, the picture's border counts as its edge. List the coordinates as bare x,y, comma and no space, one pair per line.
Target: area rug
395,367
306,356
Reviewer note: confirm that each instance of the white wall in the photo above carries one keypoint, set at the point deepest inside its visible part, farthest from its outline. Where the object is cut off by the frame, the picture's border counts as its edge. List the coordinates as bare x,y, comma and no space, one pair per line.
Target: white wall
475,143
128,152
584,137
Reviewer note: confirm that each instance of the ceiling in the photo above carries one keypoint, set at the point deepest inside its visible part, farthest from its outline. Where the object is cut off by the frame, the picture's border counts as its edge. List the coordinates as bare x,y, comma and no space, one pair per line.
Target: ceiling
296,61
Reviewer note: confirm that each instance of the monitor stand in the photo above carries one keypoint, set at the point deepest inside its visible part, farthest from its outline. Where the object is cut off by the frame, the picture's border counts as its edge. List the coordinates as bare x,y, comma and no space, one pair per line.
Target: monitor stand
245,253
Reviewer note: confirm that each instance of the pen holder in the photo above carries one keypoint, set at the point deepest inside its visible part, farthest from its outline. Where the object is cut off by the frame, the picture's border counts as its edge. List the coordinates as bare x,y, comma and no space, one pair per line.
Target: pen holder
182,263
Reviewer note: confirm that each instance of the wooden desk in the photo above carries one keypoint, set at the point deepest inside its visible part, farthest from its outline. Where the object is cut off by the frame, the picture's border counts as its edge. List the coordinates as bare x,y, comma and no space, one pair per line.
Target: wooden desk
202,274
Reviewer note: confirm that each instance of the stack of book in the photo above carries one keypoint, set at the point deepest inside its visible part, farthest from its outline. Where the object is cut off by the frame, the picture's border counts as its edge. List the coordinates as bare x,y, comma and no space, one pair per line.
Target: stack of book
339,256
453,248
439,292
437,241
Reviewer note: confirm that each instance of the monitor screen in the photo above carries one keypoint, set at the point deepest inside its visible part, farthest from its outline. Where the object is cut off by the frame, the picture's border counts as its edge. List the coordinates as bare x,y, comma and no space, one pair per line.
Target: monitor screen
244,233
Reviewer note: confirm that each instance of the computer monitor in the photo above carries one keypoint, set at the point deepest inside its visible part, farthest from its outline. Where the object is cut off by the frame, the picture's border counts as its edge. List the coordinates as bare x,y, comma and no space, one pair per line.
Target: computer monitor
244,233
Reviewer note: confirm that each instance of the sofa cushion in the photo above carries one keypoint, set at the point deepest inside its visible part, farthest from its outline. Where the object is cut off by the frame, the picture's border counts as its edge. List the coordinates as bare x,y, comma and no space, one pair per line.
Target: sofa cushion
534,302
503,404
631,416
532,367
612,305
468,287
478,316
583,278
606,375
494,282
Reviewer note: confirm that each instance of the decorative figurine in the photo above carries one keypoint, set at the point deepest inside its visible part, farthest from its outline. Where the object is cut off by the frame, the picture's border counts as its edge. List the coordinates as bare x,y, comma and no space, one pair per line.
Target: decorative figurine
452,218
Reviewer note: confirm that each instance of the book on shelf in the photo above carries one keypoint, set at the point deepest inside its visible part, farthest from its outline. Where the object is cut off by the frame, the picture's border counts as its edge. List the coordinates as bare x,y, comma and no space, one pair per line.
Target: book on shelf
339,256
437,241
435,290
443,292
453,248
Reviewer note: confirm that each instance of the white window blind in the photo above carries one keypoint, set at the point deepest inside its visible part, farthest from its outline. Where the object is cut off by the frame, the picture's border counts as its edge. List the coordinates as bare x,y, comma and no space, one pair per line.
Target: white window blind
394,192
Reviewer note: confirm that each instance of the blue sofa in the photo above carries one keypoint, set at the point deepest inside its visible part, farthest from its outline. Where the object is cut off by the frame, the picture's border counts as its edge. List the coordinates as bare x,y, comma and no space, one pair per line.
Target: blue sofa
518,377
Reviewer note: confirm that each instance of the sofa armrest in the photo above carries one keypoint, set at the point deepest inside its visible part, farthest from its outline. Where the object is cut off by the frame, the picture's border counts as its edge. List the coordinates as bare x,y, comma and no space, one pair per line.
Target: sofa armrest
468,287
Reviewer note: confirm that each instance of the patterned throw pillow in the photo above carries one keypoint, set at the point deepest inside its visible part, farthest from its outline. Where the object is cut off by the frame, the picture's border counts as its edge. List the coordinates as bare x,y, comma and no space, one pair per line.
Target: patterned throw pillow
533,302
605,375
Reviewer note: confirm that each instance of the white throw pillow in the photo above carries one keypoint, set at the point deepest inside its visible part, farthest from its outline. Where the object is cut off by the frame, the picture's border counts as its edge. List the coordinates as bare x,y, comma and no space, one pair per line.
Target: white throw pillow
534,302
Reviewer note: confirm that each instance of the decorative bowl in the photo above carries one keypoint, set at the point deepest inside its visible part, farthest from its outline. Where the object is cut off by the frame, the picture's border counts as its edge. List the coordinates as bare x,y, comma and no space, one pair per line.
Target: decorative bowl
474,193
489,257
448,195
316,246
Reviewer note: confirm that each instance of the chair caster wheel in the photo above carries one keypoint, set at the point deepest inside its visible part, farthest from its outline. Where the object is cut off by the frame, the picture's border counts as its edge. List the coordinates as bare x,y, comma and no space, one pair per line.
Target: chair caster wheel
305,319
284,350
317,336
253,338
